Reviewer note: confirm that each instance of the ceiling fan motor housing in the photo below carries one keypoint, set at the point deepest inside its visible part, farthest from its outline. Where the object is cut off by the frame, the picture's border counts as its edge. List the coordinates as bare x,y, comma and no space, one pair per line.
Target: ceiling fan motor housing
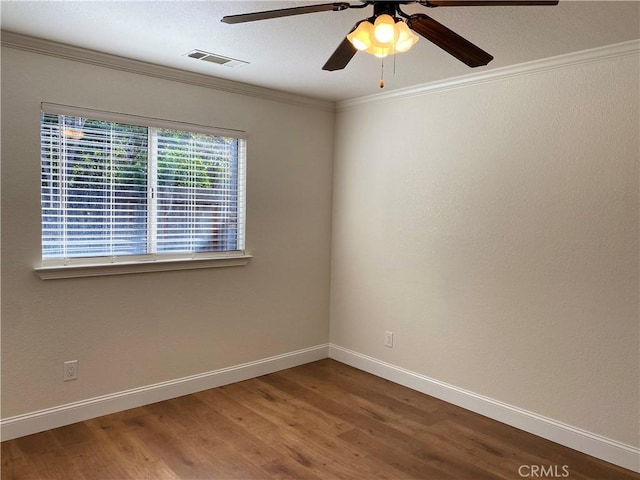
389,8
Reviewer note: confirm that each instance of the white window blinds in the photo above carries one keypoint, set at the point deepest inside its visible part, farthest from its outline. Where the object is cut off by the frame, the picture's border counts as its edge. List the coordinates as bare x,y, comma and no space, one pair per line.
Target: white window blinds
196,192
112,189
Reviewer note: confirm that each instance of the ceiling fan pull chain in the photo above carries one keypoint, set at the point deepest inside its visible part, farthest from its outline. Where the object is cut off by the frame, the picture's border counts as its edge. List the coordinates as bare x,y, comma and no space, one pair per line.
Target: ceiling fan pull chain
394,62
382,72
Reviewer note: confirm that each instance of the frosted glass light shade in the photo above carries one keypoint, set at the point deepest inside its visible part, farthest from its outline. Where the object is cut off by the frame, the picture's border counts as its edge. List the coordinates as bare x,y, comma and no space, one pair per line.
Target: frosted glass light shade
379,52
361,36
384,29
405,38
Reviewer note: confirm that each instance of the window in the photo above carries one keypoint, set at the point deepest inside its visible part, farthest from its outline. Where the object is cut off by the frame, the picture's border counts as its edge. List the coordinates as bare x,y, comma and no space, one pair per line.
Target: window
114,190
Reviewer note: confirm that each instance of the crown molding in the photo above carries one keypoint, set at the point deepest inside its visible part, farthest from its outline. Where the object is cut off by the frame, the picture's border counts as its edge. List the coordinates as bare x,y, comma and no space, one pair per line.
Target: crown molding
115,62
599,54
101,59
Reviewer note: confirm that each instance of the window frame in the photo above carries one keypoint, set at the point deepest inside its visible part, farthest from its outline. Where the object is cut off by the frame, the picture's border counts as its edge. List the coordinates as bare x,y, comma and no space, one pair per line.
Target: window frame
126,264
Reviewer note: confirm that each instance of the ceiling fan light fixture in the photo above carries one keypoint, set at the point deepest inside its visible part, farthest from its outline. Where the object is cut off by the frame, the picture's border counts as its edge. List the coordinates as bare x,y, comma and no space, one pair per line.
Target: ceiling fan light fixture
384,37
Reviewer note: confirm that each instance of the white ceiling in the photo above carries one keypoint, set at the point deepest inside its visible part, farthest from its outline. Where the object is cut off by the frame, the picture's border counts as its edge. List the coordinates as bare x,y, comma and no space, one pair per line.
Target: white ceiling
288,53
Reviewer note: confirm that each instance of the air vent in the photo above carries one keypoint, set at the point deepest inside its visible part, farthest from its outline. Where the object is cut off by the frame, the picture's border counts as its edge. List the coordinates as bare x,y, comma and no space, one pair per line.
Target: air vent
213,58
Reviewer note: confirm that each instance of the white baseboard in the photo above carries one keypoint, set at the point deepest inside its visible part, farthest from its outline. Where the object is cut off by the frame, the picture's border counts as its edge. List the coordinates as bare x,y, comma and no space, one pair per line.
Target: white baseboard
586,442
600,447
49,418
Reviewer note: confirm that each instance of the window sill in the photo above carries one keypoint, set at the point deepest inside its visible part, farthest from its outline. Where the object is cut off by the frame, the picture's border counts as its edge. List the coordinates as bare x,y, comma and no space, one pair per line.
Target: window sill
126,268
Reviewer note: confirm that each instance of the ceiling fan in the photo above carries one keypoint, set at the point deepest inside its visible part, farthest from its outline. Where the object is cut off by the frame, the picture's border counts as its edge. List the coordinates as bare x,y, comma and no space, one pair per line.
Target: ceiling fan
391,12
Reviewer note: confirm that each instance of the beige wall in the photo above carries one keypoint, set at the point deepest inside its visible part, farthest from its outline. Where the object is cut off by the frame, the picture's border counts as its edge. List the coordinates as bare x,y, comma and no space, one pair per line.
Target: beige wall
130,331
494,229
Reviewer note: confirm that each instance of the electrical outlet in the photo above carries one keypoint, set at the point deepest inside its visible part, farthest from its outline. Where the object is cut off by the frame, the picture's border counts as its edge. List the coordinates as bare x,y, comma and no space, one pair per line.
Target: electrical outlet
388,339
70,370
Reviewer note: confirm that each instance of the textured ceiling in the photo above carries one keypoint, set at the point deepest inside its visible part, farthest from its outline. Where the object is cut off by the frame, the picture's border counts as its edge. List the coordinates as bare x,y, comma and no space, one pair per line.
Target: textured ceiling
288,53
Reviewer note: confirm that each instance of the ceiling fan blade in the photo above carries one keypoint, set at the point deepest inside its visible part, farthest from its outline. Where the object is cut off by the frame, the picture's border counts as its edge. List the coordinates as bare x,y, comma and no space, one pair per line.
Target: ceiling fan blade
285,12
448,40
491,3
341,57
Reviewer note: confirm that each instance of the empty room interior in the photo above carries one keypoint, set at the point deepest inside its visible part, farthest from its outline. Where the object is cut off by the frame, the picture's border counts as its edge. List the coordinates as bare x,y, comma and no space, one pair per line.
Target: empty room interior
239,244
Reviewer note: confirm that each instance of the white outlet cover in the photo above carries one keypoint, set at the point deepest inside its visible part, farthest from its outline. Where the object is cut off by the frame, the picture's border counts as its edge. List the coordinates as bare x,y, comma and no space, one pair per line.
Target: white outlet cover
70,370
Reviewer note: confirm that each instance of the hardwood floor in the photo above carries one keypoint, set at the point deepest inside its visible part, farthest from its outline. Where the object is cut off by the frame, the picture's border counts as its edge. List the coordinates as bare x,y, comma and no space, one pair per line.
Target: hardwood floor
323,420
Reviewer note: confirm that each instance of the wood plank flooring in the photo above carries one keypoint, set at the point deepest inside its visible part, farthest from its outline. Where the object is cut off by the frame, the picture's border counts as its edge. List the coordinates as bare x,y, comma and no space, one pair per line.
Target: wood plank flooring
319,421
